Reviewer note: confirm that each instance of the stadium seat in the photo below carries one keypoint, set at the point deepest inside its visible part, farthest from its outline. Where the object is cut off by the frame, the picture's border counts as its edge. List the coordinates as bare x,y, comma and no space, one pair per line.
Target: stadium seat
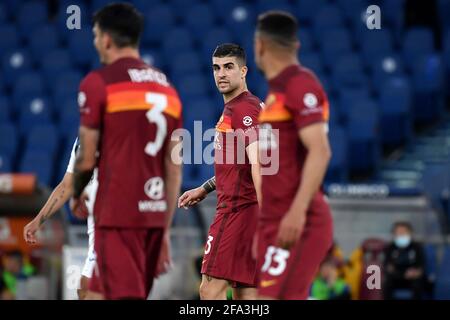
375,44
203,110
5,109
395,109
39,163
34,111
81,48
159,20
240,21
43,40
385,67
54,63
5,164
266,5
66,86
418,41
347,97
192,86
153,58
145,5
14,63
3,14
312,61
364,148
338,168
28,84
351,8
9,139
9,38
428,84
306,10
347,72
30,15
178,40
69,118
442,287
185,63
180,7
334,44
393,17
213,37
329,17
306,40
446,57
199,19
43,138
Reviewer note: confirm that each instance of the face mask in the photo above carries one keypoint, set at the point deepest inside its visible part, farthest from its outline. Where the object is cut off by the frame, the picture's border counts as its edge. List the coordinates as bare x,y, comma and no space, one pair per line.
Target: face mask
402,241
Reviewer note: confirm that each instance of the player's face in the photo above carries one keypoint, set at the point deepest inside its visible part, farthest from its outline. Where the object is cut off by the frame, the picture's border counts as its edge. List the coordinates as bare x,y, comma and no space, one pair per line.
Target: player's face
228,75
100,43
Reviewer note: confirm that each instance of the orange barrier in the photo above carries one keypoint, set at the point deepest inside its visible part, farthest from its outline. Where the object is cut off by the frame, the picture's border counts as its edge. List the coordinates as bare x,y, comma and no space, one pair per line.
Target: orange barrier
24,184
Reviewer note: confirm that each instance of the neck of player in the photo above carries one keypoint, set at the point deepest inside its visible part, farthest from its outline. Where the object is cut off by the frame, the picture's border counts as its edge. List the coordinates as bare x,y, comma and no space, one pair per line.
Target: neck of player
123,53
227,97
278,63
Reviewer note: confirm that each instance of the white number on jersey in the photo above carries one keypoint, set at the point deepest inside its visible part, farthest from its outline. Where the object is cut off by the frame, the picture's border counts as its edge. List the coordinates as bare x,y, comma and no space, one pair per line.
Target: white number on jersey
154,115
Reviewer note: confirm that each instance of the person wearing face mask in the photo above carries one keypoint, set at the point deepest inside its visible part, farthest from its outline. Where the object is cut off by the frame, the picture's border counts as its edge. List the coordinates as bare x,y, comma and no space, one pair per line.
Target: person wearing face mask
404,264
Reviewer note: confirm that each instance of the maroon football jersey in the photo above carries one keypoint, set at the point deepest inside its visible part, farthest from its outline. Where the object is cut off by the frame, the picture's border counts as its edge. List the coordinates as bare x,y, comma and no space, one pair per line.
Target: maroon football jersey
295,100
236,129
136,110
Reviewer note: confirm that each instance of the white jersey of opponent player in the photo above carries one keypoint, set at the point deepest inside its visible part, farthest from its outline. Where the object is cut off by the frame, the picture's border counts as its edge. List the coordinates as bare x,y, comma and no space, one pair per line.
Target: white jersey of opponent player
91,191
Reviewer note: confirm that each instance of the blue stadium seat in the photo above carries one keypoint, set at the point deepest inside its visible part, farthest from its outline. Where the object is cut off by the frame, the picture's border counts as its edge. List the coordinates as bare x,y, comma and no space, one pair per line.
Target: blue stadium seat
328,17
334,108
3,13
42,40
178,40
240,21
203,110
351,8
266,5
347,96
81,48
442,287
347,72
5,109
159,20
34,111
384,68
428,84
395,109
31,14
192,86
153,58
145,5
446,57
335,43
39,163
214,37
9,139
312,61
9,38
418,41
66,85
180,7
338,168
364,148
14,63
185,63
43,138
54,63
5,164
28,84
199,19
206,171
306,40
69,118
375,44
306,10
393,16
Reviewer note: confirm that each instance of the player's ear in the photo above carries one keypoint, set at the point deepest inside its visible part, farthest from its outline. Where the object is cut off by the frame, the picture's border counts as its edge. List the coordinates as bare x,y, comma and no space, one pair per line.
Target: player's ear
244,71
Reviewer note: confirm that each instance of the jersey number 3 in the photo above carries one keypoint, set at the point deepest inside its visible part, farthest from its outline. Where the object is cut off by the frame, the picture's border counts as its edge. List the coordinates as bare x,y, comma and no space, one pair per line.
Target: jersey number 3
155,115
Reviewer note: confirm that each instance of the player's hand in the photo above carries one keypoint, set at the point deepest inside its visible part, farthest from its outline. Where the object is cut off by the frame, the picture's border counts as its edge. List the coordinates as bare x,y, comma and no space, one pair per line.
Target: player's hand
78,206
165,257
192,197
29,232
290,229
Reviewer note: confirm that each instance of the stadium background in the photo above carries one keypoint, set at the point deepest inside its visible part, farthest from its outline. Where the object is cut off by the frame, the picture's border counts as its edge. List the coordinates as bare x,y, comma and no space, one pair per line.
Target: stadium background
389,127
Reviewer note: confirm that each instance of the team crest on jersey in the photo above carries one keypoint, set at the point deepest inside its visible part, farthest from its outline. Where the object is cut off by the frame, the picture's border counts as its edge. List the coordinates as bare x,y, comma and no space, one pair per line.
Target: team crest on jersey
247,121
310,100
154,189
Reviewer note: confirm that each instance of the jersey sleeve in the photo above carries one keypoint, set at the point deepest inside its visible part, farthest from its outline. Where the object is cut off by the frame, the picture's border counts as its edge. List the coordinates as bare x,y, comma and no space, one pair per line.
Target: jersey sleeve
307,101
73,156
245,121
92,100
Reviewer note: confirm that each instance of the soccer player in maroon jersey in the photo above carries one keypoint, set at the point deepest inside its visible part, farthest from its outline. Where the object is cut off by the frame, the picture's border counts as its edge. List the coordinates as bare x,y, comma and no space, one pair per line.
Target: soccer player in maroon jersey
129,111
228,251
295,227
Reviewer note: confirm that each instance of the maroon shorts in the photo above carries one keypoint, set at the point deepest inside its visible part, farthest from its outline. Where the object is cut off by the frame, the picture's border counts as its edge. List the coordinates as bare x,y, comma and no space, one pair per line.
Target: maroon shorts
228,249
126,262
288,274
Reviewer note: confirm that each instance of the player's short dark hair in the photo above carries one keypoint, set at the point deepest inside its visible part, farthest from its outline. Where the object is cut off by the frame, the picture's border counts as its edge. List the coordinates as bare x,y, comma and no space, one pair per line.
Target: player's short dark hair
231,50
280,26
122,21
402,224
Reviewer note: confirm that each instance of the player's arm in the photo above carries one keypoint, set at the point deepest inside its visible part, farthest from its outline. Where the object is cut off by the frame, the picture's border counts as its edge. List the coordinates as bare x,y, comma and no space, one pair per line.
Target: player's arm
253,157
315,139
194,196
172,178
60,195
86,159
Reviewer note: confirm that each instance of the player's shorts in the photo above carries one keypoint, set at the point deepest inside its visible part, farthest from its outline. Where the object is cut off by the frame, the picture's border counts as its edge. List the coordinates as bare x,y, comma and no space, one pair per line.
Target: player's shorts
89,263
228,249
127,260
288,274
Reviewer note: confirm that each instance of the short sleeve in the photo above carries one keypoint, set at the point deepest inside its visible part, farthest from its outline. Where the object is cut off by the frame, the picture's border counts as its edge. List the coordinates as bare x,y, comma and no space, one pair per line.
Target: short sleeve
245,121
73,156
307,101
92,100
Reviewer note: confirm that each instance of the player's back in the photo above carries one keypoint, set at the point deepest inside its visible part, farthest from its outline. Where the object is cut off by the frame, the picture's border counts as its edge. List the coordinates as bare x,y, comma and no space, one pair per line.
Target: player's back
140,111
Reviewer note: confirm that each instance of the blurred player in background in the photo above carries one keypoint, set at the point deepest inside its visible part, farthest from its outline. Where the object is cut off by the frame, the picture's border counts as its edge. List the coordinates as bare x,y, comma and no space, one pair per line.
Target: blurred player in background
228,255
60,195
129,111
295,226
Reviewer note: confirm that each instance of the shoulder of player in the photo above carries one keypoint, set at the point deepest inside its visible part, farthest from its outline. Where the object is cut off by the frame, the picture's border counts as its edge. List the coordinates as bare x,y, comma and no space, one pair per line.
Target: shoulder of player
303,81
250,102
93,78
